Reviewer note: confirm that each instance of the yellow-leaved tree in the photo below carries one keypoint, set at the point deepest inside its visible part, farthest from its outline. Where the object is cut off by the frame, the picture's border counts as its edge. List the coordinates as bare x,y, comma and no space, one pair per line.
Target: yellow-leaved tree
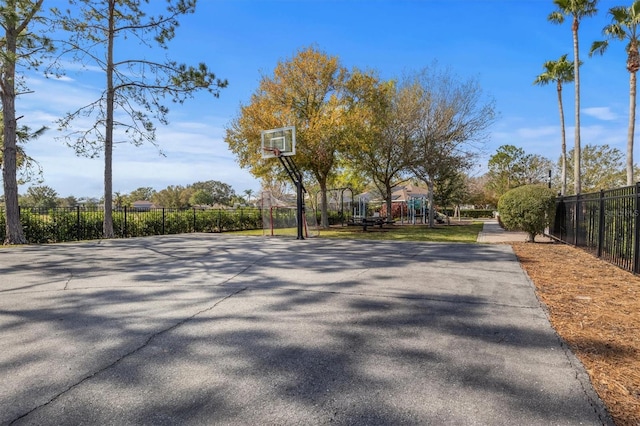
307,91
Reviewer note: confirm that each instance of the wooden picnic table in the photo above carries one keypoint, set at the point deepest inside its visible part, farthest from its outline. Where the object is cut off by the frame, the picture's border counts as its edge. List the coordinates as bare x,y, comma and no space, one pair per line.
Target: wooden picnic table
371,221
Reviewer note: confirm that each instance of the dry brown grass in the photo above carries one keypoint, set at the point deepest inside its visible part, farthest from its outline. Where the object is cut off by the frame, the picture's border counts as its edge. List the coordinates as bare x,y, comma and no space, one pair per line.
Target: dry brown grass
595,307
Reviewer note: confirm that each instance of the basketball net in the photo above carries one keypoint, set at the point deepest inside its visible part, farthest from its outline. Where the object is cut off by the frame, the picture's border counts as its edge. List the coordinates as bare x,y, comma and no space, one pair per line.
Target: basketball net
276,152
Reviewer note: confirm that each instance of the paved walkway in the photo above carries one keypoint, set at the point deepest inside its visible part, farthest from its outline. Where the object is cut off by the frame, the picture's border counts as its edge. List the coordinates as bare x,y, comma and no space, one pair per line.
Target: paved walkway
492,232
215,329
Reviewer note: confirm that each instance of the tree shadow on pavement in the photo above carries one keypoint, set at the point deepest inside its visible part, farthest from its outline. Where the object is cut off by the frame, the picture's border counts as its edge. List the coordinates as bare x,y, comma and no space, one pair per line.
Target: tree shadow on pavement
236,332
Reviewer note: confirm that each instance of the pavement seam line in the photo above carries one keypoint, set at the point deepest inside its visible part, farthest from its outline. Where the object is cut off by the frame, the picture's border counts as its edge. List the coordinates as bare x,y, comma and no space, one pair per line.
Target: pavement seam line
132,352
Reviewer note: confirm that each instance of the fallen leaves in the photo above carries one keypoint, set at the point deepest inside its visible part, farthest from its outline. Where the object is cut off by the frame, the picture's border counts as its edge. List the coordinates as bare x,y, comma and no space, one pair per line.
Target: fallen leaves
595,307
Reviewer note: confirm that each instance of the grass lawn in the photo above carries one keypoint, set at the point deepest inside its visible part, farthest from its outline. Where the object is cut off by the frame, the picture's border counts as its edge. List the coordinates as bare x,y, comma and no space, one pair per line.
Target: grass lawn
464,232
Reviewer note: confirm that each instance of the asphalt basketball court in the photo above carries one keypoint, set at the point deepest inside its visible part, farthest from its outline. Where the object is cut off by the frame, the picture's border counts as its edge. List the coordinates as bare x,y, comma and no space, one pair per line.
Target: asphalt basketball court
217,329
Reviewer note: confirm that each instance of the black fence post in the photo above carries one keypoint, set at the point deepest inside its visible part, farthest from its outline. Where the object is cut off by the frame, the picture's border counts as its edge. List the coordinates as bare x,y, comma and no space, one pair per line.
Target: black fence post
125,223
78,222
600,224
636,230
576,217
163,221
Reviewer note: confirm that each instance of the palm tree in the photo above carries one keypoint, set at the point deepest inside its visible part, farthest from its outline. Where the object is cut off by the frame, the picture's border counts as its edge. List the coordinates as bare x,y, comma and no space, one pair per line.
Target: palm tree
248,193
624,26
577,9
559,72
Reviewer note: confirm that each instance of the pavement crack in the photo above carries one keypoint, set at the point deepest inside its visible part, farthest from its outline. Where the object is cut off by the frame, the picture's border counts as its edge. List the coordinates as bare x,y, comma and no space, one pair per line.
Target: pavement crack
128,354
66,284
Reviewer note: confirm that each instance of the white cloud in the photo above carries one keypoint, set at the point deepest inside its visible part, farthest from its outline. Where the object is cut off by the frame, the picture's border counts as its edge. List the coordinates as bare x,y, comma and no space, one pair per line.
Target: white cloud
193,152
527,133
601,113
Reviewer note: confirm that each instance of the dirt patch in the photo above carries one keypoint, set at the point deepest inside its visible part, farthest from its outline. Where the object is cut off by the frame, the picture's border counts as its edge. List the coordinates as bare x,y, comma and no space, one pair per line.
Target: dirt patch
595,307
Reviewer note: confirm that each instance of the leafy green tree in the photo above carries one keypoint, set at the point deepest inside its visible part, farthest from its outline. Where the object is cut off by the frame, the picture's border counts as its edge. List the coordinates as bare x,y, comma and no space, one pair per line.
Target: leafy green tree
453,116
527,208
217,192
200,197
603,167
306,91
577,10
176,197
90,202
624,26
144,193
479,193
536,169
41,197
511,167
451,189
559,72
381,139
237,200
506,169
69,201
20,47
135,87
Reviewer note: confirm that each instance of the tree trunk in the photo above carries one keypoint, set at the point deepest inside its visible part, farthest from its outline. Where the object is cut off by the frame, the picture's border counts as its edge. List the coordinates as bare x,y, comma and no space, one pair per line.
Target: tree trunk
576,151
563,154
632,125
14,234
324,215
430,198
107,226
389,202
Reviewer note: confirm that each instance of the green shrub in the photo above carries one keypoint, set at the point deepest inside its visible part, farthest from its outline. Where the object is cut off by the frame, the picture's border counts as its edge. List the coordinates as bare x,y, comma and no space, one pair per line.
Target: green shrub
527,208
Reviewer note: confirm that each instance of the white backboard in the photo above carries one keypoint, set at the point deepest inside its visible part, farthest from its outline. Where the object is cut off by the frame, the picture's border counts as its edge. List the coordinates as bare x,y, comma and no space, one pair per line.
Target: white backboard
278,142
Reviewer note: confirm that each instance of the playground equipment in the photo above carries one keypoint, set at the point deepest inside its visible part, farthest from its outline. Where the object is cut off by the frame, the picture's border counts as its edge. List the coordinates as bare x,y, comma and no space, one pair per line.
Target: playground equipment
417,209
360,207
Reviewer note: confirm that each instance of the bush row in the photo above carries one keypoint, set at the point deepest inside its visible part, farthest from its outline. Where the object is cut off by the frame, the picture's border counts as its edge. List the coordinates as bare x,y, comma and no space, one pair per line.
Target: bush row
71,224
474,214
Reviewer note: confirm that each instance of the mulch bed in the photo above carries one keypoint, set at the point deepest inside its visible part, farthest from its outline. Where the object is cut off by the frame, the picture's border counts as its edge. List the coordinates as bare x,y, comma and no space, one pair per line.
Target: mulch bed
595,307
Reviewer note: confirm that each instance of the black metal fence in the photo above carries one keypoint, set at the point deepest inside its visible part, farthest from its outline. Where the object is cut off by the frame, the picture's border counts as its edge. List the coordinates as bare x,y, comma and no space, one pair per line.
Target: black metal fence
42,225
605,223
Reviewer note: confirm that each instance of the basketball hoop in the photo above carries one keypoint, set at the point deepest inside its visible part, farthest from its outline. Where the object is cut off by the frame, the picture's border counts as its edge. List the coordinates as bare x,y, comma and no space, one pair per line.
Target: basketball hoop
281,144
278,143
274,152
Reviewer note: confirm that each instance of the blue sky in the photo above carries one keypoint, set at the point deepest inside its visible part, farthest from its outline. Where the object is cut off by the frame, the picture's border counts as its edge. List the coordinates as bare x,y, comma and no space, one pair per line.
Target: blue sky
501,43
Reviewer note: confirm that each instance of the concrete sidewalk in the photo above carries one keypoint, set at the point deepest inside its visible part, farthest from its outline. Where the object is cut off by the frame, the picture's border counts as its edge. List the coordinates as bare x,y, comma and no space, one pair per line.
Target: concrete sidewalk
492,232
216,329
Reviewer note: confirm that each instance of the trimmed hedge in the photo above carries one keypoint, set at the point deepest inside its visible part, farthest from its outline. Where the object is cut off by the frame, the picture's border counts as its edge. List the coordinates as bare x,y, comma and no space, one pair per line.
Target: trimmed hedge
71,224
474,214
